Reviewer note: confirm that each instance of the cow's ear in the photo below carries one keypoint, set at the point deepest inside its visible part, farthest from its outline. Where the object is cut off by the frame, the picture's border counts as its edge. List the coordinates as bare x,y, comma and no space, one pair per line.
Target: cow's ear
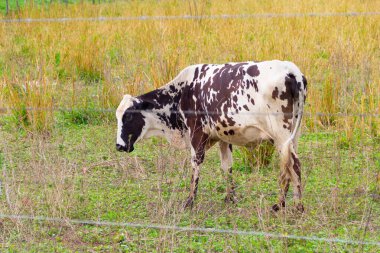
127,96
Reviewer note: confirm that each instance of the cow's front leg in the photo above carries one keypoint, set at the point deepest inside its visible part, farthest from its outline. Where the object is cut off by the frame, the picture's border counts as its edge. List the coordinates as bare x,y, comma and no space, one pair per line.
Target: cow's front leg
226,164
193,185
199,142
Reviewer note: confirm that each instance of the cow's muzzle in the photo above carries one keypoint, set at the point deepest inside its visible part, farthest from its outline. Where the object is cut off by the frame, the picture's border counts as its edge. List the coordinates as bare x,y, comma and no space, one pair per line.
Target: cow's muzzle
123,148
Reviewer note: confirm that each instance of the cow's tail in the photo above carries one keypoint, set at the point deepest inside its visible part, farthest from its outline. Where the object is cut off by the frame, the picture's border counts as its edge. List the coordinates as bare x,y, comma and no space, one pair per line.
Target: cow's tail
299,88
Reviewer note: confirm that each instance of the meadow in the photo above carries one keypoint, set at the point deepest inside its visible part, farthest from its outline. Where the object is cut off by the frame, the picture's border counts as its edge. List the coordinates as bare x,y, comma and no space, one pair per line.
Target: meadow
60,83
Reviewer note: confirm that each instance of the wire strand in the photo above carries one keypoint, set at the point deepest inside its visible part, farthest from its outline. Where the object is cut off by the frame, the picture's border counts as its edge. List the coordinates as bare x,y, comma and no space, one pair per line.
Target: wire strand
189,17
189,229
5,110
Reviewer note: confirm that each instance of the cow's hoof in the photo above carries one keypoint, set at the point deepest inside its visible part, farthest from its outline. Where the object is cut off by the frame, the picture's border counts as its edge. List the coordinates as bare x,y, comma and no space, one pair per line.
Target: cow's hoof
230,199
188,203
300,208
276,208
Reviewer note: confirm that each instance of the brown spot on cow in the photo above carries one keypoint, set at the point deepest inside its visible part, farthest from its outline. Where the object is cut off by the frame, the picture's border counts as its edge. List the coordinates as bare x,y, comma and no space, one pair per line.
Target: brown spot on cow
296,165
252,83
253,71
204,69
196,72
196,185
290,94
275,93
199,140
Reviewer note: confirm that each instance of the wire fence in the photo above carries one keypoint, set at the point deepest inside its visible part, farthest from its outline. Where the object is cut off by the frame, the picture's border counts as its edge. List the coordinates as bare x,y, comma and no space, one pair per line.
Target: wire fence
188,229
8,110
190,17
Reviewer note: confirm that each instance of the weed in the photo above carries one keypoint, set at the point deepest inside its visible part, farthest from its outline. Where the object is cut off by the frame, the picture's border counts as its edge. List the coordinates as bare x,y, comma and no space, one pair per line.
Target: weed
80,116
30,109
259,155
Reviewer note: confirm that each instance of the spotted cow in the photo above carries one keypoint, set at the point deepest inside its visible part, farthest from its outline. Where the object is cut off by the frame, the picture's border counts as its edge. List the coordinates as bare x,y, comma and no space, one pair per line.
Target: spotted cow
241,104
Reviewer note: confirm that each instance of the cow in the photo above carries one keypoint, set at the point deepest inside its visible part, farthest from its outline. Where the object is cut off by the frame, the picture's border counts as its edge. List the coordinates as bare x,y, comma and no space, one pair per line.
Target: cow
239,103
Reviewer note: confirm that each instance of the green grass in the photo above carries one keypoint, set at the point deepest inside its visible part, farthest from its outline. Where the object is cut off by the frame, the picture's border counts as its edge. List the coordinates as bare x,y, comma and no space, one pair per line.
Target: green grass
15,5
12,5
149,186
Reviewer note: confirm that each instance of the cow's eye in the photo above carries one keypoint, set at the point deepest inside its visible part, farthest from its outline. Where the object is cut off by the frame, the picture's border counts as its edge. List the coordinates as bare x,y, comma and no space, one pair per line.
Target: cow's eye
128,117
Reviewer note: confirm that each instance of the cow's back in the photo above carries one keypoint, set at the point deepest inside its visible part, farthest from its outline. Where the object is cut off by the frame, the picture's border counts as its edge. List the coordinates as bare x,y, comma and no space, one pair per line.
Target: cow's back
236,102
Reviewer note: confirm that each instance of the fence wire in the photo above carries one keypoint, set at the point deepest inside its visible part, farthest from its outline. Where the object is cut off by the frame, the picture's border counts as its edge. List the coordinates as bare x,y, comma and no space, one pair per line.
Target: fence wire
189,17
188,229
8,110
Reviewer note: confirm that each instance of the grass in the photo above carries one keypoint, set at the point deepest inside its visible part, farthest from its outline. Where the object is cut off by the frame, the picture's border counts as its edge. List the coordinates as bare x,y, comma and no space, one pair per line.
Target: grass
77,174
62,163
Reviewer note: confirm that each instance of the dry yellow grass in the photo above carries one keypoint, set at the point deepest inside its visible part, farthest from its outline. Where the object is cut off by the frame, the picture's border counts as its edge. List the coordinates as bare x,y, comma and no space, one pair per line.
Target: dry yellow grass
94,63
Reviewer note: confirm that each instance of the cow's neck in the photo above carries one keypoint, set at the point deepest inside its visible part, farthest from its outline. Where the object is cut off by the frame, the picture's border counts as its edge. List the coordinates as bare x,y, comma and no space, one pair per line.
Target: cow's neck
164,102
165,119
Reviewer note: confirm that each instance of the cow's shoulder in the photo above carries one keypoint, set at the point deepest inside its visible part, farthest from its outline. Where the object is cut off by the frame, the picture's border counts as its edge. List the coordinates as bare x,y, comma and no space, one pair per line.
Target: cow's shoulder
190,73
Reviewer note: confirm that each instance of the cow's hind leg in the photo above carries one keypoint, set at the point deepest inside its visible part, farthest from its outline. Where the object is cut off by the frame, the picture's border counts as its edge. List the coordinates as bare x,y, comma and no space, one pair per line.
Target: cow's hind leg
284,182
226,164
296,180
290,167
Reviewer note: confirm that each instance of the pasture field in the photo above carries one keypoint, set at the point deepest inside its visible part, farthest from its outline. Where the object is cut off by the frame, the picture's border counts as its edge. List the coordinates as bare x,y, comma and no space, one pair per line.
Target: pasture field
60,83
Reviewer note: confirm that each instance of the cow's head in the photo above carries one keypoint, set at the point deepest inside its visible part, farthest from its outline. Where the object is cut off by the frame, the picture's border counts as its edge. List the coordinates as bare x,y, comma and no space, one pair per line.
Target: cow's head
131,124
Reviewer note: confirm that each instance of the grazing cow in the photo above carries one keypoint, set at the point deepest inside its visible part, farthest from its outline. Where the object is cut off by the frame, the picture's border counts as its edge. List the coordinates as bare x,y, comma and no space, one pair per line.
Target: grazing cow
233,104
